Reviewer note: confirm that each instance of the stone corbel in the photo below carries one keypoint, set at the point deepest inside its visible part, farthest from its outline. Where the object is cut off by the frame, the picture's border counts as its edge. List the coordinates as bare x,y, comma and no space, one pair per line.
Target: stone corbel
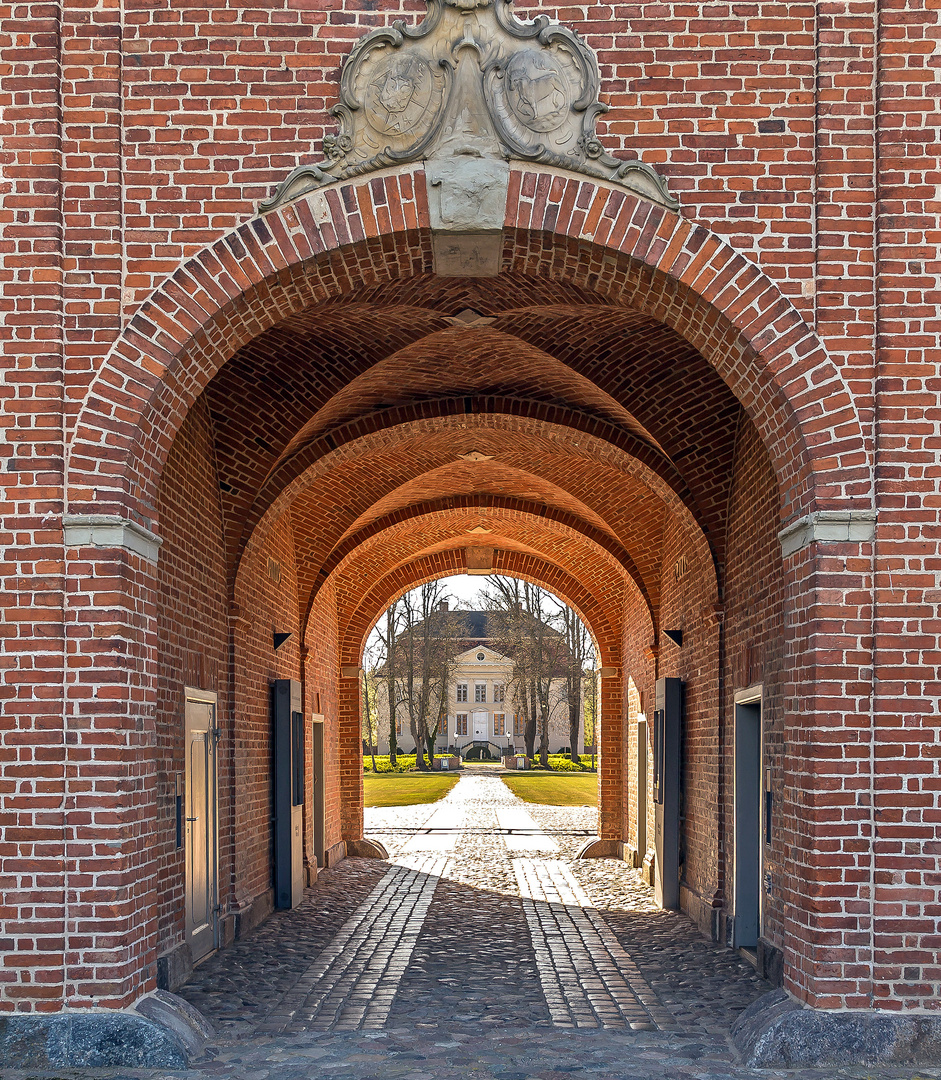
828,526
111,531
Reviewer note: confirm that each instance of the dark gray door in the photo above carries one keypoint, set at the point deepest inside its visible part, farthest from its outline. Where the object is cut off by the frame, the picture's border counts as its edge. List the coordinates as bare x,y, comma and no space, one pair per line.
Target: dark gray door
748,823
667,723
201,839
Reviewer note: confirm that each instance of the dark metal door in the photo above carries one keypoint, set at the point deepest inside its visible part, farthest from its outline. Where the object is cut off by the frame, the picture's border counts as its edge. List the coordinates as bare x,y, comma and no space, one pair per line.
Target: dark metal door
667,721
290,785
319,781
748,824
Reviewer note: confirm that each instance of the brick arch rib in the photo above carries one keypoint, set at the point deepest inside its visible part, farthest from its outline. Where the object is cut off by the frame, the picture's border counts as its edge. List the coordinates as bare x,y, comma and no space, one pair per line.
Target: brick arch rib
359,618
569,228
592,535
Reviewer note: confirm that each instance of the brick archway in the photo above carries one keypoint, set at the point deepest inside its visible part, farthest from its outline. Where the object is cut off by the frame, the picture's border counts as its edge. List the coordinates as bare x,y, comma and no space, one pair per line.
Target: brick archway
602,612
557,227
330,249
424,515
603,622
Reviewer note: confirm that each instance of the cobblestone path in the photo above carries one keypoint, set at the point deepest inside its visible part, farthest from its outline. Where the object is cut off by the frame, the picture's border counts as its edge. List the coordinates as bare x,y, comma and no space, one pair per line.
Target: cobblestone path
482,950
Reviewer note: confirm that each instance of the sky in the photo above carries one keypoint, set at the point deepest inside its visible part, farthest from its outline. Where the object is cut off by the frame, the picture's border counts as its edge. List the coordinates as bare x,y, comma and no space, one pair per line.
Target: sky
464,589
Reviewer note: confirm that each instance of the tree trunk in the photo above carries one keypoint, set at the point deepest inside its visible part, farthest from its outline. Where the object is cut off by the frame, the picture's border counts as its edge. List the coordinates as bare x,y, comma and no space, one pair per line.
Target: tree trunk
574,754
419,750
530,735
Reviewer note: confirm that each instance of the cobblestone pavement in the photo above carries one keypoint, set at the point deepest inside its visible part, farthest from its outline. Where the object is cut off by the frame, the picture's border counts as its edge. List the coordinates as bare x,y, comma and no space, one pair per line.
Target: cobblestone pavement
484,950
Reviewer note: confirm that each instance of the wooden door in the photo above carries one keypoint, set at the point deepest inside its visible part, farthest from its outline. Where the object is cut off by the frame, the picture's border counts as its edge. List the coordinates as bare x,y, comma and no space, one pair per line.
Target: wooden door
200,807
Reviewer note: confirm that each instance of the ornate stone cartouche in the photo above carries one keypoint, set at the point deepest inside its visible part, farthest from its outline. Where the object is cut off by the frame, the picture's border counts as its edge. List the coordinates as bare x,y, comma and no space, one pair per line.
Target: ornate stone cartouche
470,81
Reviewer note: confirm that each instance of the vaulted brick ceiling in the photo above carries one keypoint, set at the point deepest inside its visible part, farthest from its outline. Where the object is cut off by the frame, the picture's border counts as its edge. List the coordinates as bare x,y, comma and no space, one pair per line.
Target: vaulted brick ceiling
359,417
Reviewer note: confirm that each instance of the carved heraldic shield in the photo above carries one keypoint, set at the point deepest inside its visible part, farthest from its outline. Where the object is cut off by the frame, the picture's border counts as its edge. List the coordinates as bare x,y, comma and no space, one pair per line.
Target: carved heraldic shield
470,81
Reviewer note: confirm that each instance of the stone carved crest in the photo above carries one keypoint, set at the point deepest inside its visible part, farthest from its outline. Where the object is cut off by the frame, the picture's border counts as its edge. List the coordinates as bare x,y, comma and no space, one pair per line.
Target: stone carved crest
469,82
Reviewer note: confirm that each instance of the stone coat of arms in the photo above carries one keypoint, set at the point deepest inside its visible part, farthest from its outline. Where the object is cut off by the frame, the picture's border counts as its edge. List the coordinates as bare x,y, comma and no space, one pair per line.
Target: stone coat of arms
470,81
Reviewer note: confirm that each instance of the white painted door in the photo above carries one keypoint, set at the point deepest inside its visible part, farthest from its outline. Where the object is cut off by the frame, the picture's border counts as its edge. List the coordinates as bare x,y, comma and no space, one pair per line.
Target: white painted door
201,838
481,725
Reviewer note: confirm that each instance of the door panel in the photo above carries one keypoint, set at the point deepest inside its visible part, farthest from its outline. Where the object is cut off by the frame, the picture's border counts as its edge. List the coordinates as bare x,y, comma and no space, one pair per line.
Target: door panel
667,723
748,820
319,781
481,725
201,840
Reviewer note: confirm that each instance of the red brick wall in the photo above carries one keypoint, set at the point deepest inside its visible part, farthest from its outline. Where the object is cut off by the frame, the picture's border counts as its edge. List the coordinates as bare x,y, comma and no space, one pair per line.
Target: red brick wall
784,132
264,605
194,623
321,694
638,664
32,615
192,634
689,597
753,652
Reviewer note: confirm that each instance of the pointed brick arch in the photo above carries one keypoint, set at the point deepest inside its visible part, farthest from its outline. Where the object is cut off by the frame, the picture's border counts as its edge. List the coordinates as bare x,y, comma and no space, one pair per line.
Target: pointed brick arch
425,513
361,615
602,611
557,227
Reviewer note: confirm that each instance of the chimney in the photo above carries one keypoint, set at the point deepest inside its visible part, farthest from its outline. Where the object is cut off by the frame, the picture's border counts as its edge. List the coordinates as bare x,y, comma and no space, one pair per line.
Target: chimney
442,605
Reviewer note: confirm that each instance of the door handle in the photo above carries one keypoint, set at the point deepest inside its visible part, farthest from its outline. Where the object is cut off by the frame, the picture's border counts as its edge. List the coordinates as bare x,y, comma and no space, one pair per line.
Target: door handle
193,818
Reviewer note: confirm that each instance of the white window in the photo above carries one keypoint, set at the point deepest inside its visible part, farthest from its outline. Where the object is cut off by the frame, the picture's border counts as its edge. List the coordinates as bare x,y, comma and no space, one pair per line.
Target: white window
462,691
519,724
480,691
499,723
461,719
499,692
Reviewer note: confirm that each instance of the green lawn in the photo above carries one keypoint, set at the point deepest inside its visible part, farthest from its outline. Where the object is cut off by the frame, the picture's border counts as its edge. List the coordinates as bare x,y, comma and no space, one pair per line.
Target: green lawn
406,789
569,789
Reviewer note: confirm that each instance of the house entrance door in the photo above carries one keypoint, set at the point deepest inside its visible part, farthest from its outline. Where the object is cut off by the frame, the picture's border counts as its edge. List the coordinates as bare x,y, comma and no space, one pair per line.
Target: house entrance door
481,726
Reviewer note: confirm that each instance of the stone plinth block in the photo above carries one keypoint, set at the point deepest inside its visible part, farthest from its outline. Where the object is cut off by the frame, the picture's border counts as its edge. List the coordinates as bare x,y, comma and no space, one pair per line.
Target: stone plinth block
777,1032
89,1040
366,849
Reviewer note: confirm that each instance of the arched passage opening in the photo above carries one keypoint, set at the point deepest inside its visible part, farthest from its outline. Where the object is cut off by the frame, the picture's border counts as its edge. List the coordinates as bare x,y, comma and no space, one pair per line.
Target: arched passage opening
313,422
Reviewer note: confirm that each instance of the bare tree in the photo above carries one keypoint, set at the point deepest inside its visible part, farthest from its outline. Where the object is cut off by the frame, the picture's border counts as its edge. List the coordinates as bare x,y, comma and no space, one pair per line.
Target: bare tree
370,713
592,725
422,660
381,659
525,633
579,653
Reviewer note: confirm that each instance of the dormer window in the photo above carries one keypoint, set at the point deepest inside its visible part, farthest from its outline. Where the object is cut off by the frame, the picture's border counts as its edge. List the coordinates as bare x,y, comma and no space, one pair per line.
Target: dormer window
481,656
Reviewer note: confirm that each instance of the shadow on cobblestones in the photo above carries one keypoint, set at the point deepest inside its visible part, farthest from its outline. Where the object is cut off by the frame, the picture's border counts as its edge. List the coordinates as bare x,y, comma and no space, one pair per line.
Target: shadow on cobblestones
237,987
468,997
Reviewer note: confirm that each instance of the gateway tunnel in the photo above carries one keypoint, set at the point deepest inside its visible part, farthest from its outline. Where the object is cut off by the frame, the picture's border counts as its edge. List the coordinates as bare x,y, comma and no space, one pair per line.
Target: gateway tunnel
355,424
